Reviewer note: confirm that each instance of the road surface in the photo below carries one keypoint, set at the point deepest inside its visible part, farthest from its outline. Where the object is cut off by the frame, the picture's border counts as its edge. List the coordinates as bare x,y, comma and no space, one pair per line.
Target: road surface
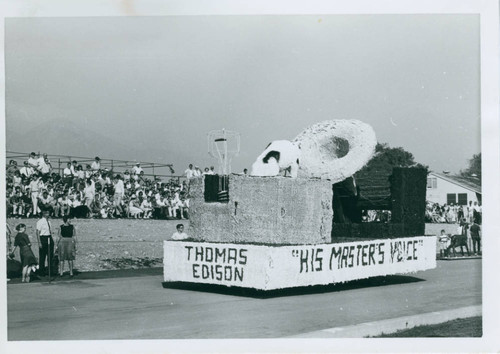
141,308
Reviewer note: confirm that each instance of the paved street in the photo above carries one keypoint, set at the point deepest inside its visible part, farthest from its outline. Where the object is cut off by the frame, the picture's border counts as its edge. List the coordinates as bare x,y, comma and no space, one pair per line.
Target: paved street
139,307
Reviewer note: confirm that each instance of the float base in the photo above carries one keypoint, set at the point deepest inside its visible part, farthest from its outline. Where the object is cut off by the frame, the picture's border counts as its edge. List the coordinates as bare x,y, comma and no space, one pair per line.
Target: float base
265,267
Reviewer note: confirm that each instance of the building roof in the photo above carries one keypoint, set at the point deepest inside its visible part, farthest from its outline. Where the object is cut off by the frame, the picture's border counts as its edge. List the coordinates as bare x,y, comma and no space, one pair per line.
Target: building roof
470,183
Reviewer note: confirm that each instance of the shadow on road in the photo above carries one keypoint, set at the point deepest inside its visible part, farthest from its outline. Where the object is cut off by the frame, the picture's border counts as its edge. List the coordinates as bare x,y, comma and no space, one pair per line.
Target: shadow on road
304,290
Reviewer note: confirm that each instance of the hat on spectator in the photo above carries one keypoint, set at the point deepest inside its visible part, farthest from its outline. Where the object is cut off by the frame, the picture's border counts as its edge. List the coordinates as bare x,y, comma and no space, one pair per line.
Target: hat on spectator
137,163
25,162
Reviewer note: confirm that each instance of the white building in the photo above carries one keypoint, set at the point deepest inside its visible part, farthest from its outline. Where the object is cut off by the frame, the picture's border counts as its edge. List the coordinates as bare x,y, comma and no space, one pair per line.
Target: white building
449,189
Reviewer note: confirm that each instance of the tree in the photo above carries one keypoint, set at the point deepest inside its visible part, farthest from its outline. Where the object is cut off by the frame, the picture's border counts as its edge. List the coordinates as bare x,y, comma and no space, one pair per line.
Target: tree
474,167
386,158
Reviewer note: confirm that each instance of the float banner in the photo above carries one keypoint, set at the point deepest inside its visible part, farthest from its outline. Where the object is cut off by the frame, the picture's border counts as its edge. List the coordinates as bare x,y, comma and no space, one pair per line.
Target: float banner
277,267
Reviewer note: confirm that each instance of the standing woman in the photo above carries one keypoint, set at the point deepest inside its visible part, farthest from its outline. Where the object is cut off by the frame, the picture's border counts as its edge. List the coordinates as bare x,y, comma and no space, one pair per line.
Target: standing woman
28,259
66,245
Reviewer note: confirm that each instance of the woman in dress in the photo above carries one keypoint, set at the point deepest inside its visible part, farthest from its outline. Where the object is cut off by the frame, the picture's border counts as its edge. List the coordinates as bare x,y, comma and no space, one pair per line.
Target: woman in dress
66,246
28,259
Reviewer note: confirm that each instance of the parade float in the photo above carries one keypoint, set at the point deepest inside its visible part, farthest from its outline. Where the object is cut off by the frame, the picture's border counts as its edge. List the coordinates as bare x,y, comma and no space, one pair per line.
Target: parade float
296,219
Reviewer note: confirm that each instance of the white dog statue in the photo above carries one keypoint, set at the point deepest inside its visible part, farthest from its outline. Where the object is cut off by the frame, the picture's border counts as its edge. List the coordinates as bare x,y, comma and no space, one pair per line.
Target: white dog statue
278,156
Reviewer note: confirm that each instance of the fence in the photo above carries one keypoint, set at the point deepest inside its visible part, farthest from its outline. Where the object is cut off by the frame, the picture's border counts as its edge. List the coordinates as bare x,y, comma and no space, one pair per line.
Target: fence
58,162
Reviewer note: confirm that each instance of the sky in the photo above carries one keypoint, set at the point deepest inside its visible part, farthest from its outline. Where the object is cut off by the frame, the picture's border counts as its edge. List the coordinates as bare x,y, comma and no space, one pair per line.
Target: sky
151,88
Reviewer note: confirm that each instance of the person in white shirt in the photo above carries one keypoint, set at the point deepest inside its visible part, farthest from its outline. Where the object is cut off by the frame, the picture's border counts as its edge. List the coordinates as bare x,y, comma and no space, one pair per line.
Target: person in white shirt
44,165
26,171
45,240
71,201
33,161
67,174
107,179
80,173
169,206
46,201
147,207
133,207
76,202
89,192
444,242
119,193
17,203
137,168
36,185
74,172
173,207
74,168
96,165
160,204
16,179
179,234
175,202
88,172
471,212
41,159
197,172
189,172
63,203
50,190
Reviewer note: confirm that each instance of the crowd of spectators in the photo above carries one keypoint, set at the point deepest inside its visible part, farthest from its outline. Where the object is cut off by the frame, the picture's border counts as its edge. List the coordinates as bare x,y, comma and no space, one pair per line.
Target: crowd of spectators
88,190
452,214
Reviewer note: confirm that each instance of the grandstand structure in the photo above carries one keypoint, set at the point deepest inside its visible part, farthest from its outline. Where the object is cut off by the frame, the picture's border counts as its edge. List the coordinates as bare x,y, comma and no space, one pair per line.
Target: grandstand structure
151,169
